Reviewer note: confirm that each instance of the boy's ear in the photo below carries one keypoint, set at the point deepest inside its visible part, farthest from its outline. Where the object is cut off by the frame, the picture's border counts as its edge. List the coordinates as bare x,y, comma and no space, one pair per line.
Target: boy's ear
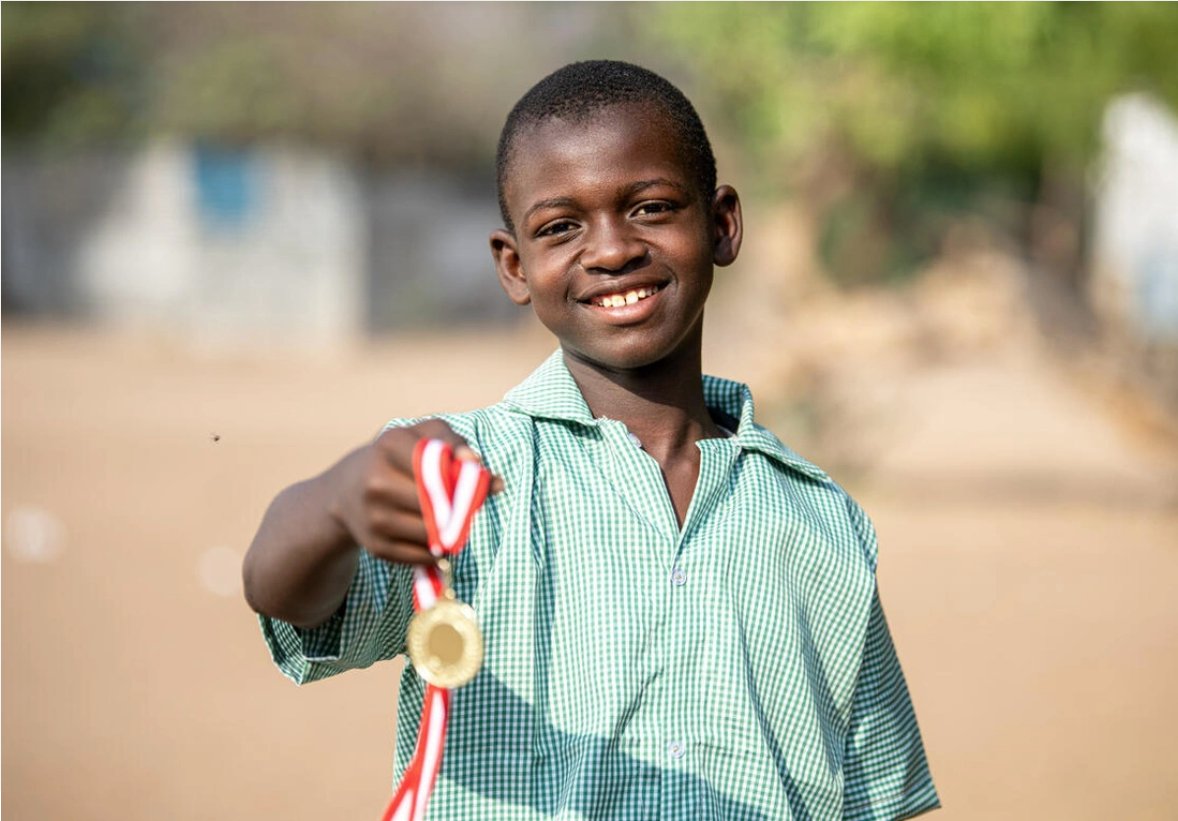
727,225
508,266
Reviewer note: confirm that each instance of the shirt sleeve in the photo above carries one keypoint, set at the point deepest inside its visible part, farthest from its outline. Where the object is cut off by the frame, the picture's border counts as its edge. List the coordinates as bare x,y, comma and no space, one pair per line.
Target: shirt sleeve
886,774
368,627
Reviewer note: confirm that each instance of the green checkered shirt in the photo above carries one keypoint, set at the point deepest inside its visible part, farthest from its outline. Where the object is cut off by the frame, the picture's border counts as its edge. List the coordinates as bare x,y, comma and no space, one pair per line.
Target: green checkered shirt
737,667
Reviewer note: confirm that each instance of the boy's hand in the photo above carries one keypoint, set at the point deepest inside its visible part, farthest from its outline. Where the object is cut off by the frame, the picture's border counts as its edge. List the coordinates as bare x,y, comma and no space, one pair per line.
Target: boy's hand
377,501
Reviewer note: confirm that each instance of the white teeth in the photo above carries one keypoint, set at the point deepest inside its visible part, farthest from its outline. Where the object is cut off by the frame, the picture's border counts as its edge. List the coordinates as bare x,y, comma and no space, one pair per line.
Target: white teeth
628,298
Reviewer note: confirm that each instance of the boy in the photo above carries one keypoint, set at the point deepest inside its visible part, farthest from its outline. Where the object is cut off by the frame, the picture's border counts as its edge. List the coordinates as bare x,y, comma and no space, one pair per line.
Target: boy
680,614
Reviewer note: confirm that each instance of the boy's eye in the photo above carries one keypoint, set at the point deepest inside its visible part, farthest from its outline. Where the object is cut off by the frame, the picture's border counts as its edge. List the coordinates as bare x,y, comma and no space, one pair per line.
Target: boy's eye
553,229
649,208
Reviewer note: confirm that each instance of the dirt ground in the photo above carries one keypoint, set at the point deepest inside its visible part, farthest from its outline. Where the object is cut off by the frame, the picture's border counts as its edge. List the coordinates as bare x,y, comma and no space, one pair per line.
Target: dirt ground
1029,562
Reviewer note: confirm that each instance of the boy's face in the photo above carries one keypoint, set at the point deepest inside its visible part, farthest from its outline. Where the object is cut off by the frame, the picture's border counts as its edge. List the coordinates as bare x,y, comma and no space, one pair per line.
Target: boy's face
614,244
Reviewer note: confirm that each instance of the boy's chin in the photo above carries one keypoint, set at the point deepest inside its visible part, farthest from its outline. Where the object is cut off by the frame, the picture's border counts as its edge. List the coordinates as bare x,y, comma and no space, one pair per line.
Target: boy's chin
620,359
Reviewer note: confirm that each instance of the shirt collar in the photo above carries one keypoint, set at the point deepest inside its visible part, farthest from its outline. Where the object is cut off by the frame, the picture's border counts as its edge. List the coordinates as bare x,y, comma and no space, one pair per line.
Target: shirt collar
552,393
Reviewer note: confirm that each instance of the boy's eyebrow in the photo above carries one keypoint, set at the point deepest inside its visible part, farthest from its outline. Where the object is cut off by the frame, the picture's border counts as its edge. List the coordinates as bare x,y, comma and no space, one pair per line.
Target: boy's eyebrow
636,187
629,191
553,202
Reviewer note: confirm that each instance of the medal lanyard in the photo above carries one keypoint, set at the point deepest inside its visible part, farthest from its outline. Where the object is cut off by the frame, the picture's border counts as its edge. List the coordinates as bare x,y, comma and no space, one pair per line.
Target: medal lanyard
450,491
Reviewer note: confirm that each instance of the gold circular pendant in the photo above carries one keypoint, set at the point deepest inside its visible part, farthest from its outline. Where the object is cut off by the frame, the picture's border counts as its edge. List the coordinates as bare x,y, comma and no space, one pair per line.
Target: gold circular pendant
445,644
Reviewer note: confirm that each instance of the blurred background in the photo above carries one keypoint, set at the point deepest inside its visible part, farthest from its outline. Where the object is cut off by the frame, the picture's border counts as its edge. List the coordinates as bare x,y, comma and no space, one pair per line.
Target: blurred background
239,237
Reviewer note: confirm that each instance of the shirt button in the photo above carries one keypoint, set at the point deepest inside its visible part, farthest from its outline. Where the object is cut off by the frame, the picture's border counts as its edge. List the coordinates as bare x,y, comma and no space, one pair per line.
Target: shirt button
679,577
676,749
635,440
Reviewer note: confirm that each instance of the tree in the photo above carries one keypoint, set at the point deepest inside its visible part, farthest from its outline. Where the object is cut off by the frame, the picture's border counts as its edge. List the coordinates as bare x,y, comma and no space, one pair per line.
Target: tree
889,116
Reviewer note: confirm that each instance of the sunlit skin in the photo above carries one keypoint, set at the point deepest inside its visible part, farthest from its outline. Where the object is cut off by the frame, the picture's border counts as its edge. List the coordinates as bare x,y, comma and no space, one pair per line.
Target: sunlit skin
606,206
601,206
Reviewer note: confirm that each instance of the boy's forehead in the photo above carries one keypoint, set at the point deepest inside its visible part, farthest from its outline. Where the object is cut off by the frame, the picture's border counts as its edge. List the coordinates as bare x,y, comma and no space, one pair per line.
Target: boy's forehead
594,141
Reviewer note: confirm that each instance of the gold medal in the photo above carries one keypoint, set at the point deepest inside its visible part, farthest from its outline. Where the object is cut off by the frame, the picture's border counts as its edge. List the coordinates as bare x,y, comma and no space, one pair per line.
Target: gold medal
445,643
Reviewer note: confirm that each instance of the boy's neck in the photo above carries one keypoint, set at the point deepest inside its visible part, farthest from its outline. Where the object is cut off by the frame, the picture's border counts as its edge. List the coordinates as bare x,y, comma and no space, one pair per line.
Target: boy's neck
661,404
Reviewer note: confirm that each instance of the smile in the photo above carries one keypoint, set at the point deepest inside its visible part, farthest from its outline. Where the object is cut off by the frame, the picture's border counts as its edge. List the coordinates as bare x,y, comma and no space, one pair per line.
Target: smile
624,297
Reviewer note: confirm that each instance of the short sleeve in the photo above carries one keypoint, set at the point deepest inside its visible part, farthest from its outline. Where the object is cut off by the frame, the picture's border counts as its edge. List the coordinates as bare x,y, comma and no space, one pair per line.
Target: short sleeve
886,775
368,627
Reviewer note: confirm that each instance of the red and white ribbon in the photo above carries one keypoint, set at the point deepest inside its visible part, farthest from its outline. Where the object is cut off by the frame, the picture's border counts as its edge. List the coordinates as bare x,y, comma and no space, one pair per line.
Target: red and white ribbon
450,491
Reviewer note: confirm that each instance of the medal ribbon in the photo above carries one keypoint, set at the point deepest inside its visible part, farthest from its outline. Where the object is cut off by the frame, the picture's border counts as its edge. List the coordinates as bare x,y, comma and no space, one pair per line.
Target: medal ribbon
450,492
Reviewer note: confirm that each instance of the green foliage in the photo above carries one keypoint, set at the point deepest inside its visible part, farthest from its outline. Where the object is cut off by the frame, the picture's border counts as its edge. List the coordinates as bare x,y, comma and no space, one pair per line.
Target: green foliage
892,117
903,84
393,83
71,71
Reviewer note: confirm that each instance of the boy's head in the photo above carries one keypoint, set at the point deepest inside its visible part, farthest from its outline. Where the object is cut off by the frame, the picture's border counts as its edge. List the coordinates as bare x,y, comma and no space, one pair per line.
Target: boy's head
614,220
580,91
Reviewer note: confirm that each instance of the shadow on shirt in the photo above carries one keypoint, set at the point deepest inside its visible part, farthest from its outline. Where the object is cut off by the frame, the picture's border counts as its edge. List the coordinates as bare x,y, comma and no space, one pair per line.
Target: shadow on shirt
511,755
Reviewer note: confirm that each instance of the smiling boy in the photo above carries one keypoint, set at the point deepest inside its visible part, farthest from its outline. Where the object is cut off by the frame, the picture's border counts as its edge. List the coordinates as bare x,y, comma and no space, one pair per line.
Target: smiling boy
680,613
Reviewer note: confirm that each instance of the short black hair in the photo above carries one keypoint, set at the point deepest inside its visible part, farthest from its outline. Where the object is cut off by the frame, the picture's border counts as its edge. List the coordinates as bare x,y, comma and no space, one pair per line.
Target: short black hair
580,89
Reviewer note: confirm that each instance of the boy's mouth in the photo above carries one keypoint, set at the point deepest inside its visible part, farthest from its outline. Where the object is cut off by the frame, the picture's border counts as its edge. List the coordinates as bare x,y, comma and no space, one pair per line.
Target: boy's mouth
620,298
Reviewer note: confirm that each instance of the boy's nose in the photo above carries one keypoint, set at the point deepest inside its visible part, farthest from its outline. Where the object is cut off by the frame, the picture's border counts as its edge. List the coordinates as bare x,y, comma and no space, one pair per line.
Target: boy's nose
610,247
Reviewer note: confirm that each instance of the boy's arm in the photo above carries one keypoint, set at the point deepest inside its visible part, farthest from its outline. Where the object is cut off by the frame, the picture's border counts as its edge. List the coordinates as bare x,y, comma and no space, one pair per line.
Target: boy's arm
306,551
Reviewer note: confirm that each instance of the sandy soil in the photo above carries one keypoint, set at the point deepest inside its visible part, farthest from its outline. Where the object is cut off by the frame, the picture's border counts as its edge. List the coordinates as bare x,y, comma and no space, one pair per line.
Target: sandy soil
1029,563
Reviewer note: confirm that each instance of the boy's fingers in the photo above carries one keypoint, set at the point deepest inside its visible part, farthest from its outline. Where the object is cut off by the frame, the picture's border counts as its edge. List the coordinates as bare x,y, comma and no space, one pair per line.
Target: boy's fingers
399,489
398,444
395,447
401,552
395,489
401,526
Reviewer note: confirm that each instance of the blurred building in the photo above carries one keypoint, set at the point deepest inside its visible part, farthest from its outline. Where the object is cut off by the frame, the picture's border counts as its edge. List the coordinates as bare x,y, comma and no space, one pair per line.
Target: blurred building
1135,253
274,244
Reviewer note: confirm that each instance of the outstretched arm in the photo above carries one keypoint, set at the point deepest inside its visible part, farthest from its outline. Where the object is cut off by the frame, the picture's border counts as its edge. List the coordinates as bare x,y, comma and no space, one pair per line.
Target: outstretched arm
305,553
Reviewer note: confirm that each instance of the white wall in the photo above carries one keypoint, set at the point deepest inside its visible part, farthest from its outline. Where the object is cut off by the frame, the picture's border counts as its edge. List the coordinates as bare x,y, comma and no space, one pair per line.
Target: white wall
1135,250
290,268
